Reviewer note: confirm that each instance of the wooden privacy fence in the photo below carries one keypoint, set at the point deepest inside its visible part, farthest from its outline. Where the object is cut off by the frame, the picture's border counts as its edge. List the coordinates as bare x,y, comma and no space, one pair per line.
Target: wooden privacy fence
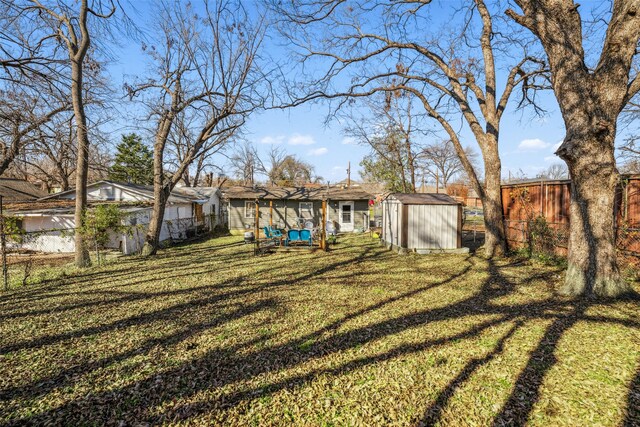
526,203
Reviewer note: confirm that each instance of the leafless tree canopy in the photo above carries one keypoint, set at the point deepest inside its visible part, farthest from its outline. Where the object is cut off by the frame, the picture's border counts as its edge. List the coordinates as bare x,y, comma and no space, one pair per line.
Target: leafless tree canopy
204,82
246,164
368,47
391,125
439,160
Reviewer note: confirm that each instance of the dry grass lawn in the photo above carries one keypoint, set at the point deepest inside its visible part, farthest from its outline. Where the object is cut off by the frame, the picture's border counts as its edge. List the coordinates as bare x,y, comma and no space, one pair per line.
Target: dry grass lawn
207,334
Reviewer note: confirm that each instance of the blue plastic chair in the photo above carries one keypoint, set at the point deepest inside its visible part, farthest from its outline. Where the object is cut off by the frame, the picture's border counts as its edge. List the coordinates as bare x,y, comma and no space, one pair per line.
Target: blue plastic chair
292,236
305,235
275,232
272,234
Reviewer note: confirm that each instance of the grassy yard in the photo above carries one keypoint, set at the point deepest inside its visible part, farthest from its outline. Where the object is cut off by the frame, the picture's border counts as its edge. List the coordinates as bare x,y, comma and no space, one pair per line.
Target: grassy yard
207,334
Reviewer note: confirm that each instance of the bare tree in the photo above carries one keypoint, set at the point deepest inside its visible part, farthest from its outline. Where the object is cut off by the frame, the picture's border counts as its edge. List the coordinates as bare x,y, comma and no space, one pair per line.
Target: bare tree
440,161
70,25
555,171
275,158
246,164
21,118
292,171
180,143
206,68
286,169
382,47
391,128
629,155
30,55
591,100
32,83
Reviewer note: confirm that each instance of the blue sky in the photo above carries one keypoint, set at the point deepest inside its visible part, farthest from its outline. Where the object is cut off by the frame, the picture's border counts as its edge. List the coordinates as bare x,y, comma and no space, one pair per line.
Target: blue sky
527,142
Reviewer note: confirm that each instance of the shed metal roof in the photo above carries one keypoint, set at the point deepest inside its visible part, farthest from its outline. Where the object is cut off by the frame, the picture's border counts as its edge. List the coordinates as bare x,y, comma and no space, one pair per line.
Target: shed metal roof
424,198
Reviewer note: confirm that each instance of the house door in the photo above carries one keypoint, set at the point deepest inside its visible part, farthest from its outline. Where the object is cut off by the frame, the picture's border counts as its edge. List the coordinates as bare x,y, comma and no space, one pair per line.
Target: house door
346,216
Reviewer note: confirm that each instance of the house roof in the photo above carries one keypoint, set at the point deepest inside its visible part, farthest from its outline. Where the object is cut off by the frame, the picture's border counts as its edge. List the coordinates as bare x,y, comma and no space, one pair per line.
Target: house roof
178,195
200,193
63,206
13,189
424,198
296,193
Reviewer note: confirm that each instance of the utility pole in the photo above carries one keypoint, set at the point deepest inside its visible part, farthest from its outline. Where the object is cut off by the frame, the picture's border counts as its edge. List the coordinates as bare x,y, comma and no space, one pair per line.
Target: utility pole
437,181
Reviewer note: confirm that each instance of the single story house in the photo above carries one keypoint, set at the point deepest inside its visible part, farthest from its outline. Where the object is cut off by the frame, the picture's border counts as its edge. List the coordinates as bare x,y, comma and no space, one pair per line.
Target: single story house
289,207
422,222
50,219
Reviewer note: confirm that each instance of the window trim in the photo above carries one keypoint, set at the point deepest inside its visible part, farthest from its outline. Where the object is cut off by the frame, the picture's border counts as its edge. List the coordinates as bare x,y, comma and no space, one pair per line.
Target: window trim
300,210
251,212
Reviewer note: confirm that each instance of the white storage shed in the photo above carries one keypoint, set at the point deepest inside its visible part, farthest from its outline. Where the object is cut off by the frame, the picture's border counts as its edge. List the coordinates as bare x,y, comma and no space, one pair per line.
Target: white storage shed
422,222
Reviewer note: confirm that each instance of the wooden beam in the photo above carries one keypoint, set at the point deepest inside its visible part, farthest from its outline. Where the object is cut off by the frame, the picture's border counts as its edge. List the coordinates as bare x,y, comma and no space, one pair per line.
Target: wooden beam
271,213
256,232
404,233
323,227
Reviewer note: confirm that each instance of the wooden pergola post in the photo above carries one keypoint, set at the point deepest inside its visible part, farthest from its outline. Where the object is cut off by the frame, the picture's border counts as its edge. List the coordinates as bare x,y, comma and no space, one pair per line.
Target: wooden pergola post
323,227
271,213
256,232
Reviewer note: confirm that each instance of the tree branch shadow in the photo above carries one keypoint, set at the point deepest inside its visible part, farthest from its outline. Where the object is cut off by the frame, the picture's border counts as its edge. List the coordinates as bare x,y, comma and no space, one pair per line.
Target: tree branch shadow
218,368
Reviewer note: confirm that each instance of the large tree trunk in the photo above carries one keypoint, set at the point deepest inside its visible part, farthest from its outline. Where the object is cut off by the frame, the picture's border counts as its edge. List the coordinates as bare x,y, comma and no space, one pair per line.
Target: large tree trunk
494,241
592,263
82,258
161,187
152,238
591,101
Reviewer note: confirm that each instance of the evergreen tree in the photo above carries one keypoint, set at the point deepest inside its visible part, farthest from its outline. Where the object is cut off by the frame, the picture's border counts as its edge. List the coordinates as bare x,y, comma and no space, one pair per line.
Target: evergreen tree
133,161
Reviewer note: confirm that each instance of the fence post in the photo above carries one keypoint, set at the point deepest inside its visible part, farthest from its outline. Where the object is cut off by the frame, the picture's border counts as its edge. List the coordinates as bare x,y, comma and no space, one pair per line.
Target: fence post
5,275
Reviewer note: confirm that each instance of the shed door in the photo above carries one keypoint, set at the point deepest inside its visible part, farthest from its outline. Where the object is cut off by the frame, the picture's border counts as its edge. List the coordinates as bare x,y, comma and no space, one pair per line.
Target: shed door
346,216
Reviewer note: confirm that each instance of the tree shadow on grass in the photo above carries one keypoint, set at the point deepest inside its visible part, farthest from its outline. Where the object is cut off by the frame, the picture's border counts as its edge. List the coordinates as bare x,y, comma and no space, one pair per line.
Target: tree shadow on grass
632,416
434,411
126,268
174,388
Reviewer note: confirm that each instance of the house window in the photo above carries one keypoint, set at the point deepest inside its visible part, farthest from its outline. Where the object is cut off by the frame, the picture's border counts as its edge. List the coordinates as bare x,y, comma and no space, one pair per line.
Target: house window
249,209
346,213
106,193
306,210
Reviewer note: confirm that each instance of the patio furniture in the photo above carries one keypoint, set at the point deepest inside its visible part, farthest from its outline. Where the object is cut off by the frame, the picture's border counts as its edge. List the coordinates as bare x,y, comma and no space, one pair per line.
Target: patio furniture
275,232
305,236
293,236
299,236
273,235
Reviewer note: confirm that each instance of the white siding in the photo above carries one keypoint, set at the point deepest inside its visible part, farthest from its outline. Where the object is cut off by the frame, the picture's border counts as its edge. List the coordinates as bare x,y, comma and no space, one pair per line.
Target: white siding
55,241
110,192
433,227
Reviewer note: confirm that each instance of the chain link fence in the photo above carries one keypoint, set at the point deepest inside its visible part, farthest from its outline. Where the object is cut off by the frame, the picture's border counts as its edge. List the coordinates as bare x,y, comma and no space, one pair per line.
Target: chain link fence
552,238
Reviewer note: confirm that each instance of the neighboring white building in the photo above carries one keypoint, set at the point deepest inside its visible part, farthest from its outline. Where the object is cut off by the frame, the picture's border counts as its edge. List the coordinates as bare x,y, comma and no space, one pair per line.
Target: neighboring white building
50,219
